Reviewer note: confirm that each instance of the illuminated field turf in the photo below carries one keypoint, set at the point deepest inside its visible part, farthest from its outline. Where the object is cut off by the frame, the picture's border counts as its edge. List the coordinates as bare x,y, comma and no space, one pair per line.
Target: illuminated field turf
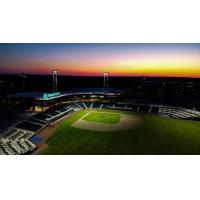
103,117
154,135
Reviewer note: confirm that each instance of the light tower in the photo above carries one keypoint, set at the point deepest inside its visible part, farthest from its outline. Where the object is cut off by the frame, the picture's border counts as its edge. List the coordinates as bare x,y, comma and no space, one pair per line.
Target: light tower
55,81
105,79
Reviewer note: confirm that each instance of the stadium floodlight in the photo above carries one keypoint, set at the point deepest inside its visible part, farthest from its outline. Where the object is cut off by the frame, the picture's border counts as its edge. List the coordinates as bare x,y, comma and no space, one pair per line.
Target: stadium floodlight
55,74
105,79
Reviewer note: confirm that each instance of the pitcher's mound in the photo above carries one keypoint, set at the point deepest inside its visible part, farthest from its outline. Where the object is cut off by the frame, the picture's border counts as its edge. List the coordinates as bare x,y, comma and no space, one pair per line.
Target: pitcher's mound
126,122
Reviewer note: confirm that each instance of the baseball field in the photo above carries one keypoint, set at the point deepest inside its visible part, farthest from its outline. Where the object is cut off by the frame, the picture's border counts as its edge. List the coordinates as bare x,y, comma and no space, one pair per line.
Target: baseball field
111,132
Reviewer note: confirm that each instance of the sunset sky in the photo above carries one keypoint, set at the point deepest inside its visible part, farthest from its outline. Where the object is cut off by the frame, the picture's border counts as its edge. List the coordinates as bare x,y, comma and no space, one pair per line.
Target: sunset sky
177,60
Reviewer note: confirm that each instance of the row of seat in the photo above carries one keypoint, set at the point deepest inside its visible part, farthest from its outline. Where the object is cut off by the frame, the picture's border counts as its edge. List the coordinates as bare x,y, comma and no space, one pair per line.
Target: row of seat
16,142
178,113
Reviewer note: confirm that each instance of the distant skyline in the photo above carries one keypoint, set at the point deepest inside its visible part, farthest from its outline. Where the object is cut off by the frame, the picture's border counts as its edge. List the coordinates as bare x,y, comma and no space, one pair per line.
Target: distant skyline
166,60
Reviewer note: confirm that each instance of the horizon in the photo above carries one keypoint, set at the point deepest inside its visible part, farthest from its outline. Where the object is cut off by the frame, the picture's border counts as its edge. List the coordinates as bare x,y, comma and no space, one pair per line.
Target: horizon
119,59
99,76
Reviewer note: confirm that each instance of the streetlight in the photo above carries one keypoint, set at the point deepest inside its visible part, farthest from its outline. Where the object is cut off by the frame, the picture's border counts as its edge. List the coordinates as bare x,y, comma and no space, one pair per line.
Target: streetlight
23,76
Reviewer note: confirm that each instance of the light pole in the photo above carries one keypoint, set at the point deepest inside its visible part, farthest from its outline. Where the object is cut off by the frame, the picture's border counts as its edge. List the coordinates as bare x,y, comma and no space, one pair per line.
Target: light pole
23,76
105,80
55,81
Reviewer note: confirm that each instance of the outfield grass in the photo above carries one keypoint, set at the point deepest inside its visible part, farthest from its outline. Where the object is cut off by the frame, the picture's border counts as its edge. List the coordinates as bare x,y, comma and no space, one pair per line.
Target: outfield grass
155,135
103,117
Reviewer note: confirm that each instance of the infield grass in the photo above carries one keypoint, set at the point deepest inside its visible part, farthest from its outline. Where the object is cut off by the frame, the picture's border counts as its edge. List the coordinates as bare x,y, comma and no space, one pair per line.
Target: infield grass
103,117
155,135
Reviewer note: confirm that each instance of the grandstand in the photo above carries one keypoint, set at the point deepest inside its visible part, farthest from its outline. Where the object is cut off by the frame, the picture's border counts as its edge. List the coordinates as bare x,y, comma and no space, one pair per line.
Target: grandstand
178,113
17,142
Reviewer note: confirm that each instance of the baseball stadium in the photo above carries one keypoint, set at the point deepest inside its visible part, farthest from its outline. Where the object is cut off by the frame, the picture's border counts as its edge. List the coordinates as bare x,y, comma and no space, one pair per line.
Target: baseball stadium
97,121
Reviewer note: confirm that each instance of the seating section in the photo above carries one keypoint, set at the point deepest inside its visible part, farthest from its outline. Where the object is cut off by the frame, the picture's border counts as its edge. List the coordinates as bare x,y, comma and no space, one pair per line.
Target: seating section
120,105
52,113
29,126
109,105
41,117
178,113
80,105
61,110
73,106
37,121
16,142
88,104
96,105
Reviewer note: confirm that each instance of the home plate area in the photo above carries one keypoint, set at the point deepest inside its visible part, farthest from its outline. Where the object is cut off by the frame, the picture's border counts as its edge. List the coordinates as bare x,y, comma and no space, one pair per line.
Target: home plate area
105,121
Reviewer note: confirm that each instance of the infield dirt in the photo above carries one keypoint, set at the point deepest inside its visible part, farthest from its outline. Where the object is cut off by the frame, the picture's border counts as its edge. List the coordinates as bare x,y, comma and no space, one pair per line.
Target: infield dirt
126,122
